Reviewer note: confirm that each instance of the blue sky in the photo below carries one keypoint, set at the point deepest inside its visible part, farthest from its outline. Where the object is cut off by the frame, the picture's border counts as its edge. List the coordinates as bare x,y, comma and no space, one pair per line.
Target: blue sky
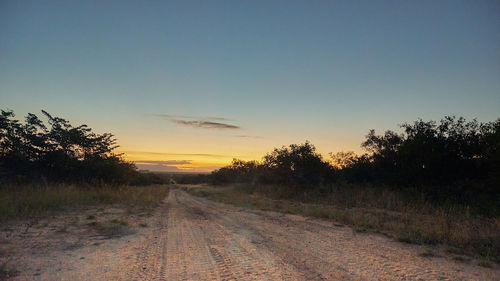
281,71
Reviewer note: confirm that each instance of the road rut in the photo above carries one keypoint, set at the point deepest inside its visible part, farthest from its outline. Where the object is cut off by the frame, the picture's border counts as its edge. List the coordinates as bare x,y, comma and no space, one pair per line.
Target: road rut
193,238
204,240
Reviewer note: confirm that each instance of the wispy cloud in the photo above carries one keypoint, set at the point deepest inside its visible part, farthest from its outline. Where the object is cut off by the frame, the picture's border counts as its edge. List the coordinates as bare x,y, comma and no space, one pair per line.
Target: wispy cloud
199,122
204,124
165,163
172,154
246,136
175,166
164,166
169,116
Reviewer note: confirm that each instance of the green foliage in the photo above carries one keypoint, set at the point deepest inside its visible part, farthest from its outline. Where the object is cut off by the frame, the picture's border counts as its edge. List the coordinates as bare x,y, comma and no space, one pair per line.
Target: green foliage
297,165
451,161
342,160
237,171
432,153
58,152
187,178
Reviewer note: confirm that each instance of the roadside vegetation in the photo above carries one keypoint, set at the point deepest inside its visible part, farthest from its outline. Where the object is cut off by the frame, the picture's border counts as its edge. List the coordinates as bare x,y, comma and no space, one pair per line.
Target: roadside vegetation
366,208
432,183
67,217
51,166
35,202
450,162
68,180
54,151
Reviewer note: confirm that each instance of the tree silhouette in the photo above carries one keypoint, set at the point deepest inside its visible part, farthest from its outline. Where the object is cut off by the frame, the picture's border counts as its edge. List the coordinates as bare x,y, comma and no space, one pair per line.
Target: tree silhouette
451,160
58,151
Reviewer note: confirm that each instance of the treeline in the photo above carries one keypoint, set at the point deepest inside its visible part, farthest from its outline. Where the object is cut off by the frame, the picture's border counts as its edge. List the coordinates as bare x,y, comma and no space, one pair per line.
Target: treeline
56,151
296,165
429,153
451,160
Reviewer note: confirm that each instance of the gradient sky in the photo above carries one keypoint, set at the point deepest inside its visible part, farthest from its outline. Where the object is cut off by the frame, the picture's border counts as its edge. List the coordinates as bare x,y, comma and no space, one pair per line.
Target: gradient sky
189,85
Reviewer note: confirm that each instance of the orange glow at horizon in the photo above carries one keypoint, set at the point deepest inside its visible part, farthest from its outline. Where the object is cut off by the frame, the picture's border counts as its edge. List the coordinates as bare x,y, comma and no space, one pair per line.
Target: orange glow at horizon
183,148
197,162
193,162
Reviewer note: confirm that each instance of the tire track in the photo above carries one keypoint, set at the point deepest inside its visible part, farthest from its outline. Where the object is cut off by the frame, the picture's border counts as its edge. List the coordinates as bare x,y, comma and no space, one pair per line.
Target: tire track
318,250
151,257
187,253
192,238
223,248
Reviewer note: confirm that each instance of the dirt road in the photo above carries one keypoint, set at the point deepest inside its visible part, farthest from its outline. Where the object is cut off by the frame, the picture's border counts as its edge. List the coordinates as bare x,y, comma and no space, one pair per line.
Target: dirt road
191,238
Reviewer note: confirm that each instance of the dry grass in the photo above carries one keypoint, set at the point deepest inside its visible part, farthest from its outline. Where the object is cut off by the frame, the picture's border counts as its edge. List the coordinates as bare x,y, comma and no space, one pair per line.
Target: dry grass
112,229
33,202
6,271
88,212
410,220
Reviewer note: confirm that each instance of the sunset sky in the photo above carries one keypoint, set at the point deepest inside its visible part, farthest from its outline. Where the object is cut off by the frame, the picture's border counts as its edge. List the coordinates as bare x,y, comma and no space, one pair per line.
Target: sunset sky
189,85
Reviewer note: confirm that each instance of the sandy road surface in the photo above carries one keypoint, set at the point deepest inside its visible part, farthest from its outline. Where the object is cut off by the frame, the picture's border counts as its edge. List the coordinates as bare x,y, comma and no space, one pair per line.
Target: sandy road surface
192,238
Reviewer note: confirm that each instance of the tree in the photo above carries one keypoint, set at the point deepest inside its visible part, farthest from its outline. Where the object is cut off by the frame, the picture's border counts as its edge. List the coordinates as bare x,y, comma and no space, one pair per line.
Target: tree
298,165
59,151
434,153
342,160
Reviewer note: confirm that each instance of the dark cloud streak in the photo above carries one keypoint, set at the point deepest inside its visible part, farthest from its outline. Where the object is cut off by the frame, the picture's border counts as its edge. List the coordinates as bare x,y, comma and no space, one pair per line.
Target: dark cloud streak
204,124
207,118
168,162
246,136
198,122
173,154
